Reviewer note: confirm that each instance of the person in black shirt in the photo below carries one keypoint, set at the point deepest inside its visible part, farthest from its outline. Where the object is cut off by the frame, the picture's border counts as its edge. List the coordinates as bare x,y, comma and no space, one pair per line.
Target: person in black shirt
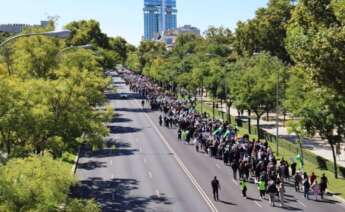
323,185
215,187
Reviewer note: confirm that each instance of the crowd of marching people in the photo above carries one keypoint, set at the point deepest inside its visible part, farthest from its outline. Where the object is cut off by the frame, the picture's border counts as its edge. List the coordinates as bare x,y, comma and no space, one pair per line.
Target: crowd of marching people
252,161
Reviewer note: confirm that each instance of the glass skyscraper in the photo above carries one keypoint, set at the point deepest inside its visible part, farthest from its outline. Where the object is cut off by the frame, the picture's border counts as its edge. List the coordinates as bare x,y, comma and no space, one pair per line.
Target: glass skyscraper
159,16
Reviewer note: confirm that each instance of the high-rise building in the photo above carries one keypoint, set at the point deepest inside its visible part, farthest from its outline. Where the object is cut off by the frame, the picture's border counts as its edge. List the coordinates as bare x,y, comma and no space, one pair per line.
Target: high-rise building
159,16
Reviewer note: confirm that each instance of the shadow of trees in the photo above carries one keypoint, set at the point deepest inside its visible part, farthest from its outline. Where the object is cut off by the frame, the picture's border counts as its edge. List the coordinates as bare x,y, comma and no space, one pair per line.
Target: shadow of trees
122,130
112,149
114,194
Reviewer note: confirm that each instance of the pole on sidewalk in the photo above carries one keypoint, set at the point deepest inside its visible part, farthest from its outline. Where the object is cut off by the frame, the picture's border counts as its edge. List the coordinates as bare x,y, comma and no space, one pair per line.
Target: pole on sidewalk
277,114
202,95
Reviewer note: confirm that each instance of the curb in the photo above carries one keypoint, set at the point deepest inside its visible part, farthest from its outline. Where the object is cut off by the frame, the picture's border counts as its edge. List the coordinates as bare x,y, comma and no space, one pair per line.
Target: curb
76,160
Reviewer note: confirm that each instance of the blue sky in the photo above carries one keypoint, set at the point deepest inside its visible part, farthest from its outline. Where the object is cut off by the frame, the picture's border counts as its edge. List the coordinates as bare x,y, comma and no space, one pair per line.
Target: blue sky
125,17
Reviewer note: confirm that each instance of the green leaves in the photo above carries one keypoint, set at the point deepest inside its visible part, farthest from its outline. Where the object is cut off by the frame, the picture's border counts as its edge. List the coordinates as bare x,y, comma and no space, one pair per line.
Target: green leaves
316,40
38,183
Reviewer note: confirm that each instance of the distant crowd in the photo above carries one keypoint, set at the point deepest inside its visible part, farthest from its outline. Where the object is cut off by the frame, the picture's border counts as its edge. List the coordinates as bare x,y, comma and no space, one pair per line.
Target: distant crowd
252,161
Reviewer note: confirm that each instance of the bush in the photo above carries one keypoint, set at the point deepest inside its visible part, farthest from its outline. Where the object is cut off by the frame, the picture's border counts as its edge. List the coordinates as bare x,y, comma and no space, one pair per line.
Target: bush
37,183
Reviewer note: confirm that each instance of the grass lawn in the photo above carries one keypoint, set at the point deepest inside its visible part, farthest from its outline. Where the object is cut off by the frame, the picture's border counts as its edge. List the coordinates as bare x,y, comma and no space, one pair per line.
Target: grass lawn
335,185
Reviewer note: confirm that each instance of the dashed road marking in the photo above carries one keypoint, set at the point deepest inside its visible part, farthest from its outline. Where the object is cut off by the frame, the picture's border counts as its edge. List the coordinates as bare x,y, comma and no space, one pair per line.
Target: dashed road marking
235,182
157,193
111,162
301,203
258,204
112,176
150,174
218,166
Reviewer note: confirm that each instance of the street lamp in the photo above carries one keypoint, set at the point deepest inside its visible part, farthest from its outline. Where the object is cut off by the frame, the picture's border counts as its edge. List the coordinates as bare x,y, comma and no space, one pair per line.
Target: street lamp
55,34
277,113
87,46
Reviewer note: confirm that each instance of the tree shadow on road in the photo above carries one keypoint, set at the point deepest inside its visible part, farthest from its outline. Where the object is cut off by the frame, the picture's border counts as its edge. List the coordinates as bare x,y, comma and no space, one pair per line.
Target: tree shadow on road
122,130
115,194
113,149
133,110
117,119
226,202
90,165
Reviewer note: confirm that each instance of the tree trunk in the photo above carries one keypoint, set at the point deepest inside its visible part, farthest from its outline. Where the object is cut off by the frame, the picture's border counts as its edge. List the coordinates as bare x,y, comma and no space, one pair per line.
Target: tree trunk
249,122
228,112
8,147
335,167
258,126
213,108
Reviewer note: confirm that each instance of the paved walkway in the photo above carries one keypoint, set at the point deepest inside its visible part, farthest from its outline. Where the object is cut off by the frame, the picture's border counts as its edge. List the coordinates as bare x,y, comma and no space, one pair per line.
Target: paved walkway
316,144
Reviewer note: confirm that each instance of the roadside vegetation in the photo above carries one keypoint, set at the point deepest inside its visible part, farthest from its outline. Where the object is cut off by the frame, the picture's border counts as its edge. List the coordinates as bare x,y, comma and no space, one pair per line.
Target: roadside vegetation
290,49
48,100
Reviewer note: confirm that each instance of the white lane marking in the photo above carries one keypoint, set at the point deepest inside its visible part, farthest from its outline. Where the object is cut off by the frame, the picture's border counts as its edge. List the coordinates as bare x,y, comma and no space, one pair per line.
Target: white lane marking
145,160
257,204
112,176
150,174
111,162
218,166
234,181
183,167
157,193
301,203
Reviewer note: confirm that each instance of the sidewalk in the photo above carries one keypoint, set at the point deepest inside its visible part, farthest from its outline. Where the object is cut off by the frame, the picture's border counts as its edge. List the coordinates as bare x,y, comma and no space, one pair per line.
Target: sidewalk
316,145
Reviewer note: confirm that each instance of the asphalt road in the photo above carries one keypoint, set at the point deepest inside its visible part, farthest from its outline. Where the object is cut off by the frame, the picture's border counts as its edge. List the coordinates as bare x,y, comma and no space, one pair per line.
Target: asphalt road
149,170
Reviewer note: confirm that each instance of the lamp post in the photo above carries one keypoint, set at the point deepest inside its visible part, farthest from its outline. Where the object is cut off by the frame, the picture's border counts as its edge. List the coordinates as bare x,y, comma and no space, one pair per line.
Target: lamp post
277,114
55,34
87,46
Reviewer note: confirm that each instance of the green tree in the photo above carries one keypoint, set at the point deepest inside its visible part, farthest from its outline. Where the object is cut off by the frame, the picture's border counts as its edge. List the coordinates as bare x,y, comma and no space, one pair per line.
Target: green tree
87,32
119,45
255,83
133,62
315,40
266,31
38,183
319,109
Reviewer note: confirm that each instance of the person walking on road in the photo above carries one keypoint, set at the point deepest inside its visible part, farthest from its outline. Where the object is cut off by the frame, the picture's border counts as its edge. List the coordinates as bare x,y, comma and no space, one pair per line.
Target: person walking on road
234,166
281,192
262,188
215,188
243,186
272,192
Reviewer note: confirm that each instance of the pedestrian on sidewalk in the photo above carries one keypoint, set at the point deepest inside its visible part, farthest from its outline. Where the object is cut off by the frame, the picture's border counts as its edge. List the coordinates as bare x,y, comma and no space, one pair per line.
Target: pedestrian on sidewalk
298,181
323,185
215,188
306,186
312,178
243,186
315,187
